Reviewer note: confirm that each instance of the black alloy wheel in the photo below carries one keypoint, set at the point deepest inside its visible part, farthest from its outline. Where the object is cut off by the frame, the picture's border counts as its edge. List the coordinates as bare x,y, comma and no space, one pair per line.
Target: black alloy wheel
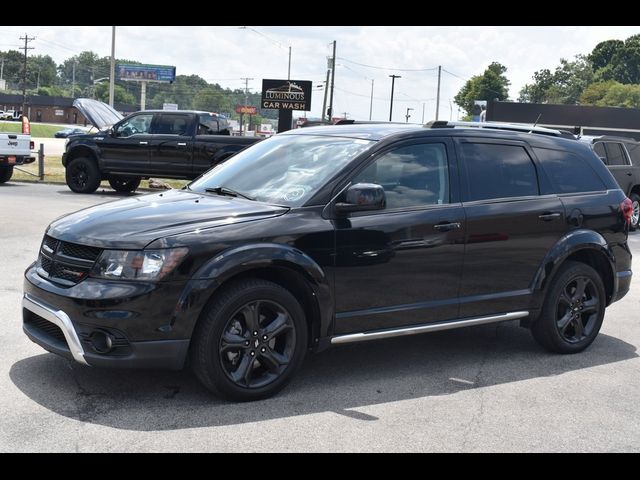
124,184
250,340
573,311
82,175
257,344
577,309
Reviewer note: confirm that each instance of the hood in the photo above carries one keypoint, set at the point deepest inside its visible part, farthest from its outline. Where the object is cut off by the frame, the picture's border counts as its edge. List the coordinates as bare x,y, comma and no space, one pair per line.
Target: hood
134,222
98,113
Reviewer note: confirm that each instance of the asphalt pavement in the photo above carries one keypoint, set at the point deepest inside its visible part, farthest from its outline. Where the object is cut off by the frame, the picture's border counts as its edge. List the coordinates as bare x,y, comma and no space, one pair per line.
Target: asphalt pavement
486,388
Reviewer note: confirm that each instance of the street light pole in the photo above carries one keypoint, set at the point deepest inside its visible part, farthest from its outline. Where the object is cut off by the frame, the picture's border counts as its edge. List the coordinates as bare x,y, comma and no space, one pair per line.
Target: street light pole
393,81
407,116
112,71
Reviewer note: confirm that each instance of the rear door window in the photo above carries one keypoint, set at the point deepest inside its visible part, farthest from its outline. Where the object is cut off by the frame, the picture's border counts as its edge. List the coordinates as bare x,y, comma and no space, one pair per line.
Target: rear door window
568,172
499,171
601,152
615,154
172,125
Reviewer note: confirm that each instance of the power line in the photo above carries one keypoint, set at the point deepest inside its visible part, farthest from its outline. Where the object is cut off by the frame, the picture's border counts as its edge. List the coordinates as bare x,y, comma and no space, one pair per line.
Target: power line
388,68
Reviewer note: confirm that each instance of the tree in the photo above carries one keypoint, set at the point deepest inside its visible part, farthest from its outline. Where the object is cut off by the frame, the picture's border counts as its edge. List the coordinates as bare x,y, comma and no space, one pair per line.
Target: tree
603,53
120,95
492,84
595,92
563,86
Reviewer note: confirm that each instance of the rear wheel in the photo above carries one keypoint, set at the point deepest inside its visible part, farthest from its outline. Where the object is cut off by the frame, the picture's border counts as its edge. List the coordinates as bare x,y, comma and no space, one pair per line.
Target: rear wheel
124,184
250,342
5,173
82,175
635,213
573,311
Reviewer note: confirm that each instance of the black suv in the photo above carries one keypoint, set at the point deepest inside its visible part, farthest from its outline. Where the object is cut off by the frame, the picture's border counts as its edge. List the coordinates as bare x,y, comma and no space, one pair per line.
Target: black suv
622,157
331,235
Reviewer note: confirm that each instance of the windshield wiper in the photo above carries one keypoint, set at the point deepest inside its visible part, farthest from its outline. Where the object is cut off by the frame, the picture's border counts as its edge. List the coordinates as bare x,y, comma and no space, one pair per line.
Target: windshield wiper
227,191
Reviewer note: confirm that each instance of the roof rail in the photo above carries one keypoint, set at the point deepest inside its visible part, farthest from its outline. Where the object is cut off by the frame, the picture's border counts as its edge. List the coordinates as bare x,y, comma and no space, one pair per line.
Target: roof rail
516,127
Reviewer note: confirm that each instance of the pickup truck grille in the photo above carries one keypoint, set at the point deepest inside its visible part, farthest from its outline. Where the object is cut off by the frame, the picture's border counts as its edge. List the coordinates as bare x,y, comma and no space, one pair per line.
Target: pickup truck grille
65,263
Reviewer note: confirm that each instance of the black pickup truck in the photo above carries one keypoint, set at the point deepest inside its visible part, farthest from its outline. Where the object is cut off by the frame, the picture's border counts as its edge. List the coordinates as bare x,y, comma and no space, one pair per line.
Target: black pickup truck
159,143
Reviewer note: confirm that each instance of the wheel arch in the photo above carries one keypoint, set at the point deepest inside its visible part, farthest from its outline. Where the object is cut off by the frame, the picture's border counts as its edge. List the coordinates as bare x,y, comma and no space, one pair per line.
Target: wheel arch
82,151
585,246
280,264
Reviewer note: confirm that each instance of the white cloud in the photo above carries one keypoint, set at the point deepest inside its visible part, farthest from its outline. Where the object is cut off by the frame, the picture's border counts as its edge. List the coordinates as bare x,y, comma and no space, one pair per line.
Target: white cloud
225,54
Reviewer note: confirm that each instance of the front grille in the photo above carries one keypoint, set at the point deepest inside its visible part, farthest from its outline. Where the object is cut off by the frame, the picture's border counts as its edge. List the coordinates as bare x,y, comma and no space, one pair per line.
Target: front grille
44,327
65,263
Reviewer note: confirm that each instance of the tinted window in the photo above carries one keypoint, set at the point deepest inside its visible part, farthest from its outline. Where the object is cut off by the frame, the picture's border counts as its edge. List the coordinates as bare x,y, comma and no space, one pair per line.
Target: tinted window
615,154
172,125
411,176
207,124
136,124
568,172
498,171
599,149
634,152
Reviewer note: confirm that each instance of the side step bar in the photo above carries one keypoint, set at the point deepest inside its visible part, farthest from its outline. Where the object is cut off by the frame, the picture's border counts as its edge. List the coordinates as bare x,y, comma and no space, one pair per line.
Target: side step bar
432,327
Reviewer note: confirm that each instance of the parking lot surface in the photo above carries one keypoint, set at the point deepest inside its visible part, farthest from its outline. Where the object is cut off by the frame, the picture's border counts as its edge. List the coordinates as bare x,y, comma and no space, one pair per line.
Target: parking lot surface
487,388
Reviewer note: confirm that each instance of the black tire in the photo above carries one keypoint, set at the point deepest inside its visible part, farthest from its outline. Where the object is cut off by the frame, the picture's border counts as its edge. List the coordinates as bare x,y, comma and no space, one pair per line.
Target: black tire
635,215
124,184
5,173
82,175
241,363
570,321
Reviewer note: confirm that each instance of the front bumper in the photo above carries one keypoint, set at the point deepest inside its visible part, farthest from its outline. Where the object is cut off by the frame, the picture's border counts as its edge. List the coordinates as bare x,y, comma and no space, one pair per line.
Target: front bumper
67,322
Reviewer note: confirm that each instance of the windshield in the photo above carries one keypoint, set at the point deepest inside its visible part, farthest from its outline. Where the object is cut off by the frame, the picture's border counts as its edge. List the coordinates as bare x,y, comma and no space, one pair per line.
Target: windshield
285,169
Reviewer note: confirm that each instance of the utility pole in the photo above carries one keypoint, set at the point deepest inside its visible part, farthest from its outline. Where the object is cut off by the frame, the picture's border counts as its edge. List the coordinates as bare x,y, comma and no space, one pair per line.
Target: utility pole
73,81
333,79
289,69
26,39
371,103
2,68
393,81
438,95
326,91
38,82
112,72
344,115
246,98
423,113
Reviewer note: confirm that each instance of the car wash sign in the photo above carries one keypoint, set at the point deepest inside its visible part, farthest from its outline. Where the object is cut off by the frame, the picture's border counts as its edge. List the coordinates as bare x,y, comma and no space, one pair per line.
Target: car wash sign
286,94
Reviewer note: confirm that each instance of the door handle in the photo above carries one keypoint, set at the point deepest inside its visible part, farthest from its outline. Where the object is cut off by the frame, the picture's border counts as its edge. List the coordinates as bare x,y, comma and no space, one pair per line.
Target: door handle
445,227
144,143
182,144
548,216
629,173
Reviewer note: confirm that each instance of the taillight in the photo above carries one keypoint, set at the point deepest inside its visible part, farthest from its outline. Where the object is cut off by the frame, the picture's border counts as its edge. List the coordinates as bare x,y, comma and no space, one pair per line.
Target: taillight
627,210
31,145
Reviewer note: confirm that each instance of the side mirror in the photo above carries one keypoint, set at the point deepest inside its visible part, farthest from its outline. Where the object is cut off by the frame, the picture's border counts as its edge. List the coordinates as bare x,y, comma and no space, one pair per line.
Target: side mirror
112,132
362,197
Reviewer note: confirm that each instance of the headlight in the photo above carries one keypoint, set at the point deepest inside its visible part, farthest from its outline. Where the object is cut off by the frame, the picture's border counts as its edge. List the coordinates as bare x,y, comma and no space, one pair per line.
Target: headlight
138,265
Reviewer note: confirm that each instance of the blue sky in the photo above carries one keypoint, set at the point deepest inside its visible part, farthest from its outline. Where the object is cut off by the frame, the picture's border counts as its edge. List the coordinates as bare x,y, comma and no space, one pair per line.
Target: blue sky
225,54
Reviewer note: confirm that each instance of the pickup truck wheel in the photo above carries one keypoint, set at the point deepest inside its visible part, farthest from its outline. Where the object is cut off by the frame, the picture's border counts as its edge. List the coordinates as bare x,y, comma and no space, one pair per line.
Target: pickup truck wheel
5,173
250,341
573,310
635,213
82,175
124,184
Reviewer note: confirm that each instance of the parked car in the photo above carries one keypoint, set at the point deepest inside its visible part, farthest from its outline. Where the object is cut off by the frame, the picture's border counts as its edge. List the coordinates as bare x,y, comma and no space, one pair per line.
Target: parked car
622,157
332,235
15,149
160,143
13,115
67,132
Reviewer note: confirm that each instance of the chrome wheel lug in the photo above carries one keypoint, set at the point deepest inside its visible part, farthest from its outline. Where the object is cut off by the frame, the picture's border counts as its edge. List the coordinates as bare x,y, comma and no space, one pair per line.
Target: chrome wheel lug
264,337
255,334
263,349
252,353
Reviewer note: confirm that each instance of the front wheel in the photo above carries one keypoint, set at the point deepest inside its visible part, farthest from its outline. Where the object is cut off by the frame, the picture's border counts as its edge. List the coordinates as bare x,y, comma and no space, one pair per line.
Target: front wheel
635,212
573,310
82,175
124,184
250,341
5,174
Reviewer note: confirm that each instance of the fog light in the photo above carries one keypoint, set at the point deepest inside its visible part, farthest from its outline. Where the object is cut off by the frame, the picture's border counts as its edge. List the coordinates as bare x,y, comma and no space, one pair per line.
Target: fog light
101,341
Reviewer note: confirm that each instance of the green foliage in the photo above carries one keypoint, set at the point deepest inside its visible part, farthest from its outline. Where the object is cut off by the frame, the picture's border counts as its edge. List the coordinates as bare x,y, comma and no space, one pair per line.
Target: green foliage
492,84
612,94
603,54
563,86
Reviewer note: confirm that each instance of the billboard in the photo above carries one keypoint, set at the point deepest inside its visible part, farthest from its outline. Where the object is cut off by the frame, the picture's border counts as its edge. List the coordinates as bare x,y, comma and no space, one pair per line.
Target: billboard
286,94
246,109
147,73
